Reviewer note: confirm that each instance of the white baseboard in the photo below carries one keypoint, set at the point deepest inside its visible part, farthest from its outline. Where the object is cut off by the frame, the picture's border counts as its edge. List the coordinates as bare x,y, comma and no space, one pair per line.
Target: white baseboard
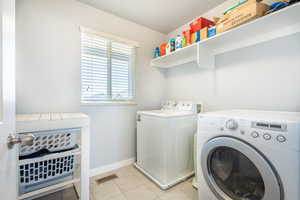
111,167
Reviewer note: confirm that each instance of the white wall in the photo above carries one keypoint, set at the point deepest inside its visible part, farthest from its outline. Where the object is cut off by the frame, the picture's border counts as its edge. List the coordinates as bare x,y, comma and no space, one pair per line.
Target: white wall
48,71
1,52
264,76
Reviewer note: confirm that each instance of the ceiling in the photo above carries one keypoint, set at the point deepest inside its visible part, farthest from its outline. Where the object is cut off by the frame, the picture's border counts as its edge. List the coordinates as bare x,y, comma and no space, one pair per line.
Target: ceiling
160,15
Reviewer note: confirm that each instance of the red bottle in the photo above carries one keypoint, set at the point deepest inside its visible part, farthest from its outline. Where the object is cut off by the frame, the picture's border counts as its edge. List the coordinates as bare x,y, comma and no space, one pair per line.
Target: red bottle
163,49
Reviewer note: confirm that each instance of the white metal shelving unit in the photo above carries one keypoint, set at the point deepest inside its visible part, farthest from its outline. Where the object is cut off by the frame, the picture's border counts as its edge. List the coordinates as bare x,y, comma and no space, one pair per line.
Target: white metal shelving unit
56,121
275,25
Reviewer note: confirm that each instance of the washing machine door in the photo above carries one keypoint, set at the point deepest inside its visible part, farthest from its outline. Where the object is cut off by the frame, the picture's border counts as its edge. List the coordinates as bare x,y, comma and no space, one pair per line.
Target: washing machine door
236,171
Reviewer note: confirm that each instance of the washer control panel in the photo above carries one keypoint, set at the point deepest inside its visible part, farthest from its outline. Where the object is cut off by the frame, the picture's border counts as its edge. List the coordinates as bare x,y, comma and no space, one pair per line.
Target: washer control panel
275,130
268,132
269,136
168,105
269,126
182,106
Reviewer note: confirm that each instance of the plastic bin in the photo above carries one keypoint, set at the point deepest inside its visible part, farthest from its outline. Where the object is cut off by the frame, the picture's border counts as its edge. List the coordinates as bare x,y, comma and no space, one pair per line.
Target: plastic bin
56,140
45,171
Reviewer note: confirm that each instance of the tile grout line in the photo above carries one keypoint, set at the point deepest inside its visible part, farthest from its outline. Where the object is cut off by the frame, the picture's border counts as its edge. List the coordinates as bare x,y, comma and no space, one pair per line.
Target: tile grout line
138,180
120,190
142,184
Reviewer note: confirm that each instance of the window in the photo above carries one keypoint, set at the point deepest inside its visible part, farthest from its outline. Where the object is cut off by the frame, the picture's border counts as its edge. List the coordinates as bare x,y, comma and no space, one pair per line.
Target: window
107,69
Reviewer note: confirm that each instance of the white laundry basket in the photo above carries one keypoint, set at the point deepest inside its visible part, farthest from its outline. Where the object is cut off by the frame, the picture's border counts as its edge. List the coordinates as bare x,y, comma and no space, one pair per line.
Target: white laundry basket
48,160
44,171
53,141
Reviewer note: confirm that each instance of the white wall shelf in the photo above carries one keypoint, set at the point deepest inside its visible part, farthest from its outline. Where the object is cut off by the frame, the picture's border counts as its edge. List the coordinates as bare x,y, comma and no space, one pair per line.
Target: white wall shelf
276,25
179,57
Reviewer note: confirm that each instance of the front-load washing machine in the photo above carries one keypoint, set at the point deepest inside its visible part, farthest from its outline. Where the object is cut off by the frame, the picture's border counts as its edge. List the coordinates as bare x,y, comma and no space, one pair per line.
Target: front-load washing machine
249,155
165,142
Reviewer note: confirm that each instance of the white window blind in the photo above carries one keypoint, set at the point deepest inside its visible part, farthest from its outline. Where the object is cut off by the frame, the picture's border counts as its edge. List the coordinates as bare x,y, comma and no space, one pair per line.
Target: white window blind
106,69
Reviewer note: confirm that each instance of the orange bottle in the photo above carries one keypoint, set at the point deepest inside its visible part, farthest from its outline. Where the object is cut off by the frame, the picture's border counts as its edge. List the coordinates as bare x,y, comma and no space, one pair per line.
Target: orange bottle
193,37
187,35
163,49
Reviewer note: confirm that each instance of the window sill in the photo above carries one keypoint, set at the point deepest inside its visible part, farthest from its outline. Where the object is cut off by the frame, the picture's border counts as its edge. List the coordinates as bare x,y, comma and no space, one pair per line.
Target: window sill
108,103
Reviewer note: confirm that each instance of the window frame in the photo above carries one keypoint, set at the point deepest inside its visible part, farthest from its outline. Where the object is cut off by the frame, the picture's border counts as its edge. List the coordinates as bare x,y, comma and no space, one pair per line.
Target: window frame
131,70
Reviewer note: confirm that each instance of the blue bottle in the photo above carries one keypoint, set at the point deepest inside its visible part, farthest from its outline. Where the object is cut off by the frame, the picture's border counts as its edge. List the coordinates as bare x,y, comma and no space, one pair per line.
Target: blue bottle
156,52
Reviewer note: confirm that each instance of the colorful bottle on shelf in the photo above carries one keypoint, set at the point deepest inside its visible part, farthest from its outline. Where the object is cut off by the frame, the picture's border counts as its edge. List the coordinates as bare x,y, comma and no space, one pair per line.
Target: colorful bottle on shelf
178,42
198,36
163,49
172,45
187,35
212,31
168,48
156,52
183,42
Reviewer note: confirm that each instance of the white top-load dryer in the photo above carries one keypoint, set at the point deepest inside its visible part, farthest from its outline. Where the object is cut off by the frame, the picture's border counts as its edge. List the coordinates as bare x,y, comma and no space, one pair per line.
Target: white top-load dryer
165,142
249,155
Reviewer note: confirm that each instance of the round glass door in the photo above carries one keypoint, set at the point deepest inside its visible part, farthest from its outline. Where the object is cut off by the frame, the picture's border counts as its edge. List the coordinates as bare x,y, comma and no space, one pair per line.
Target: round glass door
234,170
236,175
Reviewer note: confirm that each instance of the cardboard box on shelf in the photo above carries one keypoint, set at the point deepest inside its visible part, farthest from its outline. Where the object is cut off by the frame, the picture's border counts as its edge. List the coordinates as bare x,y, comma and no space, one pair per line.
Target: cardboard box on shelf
193,37
200,23
243,14
204,33
212,32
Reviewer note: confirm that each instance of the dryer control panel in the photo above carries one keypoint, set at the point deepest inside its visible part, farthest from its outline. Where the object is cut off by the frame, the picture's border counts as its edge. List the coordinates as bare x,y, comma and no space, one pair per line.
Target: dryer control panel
270,131
267,131
270,126
273,129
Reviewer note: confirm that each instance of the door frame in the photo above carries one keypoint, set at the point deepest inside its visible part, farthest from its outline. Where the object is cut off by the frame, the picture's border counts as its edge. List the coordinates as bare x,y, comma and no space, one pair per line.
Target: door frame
273,186
9,191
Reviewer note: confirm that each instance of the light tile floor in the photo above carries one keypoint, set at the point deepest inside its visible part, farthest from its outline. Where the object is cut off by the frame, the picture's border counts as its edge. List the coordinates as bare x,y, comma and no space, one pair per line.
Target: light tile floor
130,185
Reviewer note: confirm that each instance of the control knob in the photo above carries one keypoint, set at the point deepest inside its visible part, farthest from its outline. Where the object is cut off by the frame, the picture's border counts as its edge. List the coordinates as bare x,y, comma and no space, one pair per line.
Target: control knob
267,136
281,138
255,134
231,124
